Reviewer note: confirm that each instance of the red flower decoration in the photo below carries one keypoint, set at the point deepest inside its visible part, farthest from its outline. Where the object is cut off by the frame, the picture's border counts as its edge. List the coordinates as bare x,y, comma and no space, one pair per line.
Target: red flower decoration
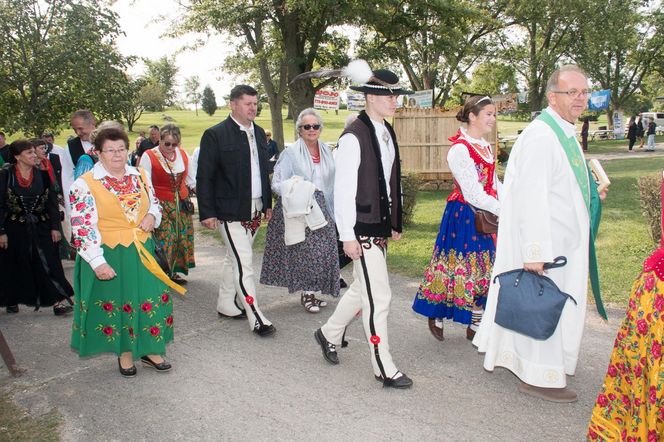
146,307
164,298
127,308
108,330
642,326
375,339
613,372
107,306
131,331
656,350
169,320
154,331
602,400
82,232
249,299
79,206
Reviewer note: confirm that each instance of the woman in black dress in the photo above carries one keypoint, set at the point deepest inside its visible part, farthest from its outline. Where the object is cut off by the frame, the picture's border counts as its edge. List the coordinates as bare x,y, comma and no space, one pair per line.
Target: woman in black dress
29,233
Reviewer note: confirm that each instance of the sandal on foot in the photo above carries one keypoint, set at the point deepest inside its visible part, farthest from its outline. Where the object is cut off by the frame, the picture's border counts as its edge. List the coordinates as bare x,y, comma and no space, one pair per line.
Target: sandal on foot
308,300
319,302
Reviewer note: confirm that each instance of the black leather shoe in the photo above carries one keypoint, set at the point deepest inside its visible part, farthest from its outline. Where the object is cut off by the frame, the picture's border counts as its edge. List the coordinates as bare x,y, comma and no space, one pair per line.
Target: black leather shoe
242,315
127,372
12,309
342,283
329,349
264,330
402,381
162,366
59,310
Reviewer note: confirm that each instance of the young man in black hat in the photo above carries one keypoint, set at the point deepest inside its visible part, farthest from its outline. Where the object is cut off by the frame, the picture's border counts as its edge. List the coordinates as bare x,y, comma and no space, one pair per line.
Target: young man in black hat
233,191
367,200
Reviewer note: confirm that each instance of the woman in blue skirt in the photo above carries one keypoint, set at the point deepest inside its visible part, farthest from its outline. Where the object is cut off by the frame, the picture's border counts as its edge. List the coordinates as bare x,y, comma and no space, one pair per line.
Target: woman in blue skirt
456,281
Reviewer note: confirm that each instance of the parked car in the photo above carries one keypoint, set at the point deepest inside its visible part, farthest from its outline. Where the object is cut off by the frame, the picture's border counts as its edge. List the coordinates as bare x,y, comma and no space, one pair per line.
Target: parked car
657,116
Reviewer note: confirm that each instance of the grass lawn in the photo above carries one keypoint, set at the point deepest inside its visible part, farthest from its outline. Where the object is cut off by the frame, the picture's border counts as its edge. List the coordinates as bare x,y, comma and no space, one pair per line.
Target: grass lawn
17,425
623,242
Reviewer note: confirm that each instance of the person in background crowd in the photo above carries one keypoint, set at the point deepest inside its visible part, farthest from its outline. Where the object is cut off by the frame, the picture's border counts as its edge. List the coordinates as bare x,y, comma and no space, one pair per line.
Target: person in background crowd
83,122
194,162
652,129
547,205
133,156
4,149
148,143
233,190
123,302
640,131
368,211
29,233
456,281
298,255
630,405
168,169
632,129
272,148
584,133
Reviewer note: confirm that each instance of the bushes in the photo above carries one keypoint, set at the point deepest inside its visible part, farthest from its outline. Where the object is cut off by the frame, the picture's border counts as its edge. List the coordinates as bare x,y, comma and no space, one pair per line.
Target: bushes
410,184
650,195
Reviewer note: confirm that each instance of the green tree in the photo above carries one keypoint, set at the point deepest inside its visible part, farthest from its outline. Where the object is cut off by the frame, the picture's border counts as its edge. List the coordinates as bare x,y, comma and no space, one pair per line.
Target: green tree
618,45
279,40
192,86
209,102
492,78
134,104
540,33
58,55
162,72
435,42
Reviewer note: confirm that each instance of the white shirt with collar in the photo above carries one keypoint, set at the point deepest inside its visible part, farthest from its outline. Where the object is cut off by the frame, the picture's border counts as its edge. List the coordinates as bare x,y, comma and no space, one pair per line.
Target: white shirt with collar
84,209
256,184
347,163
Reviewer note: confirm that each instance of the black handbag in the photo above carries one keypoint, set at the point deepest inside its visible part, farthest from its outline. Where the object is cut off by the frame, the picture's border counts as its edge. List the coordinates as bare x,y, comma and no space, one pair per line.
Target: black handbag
529,303
187,206
162,259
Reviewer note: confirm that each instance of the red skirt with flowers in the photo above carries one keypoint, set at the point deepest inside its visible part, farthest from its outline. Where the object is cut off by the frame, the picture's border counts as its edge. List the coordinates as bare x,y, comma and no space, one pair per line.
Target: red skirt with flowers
131,312
630,406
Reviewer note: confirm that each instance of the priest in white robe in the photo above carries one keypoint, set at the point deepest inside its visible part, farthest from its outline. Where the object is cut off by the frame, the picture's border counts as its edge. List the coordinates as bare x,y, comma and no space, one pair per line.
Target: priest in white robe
544,214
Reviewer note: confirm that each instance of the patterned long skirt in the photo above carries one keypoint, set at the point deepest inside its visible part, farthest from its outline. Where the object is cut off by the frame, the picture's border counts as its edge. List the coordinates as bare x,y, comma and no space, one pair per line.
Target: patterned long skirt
457,277
131,312
176,238
630,406
312,265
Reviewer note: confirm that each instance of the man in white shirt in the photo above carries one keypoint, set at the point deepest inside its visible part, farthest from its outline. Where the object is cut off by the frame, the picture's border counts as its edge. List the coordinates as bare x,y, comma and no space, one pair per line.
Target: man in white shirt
546,203
83,122
367,209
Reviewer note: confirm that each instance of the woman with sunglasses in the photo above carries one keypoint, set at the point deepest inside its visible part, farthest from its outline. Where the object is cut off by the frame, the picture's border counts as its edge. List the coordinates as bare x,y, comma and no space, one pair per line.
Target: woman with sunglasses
310,264
167,167
456,281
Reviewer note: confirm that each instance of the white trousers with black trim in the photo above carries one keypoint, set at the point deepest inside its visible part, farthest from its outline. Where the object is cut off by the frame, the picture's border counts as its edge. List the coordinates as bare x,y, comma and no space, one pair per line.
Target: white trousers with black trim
237,288
370,292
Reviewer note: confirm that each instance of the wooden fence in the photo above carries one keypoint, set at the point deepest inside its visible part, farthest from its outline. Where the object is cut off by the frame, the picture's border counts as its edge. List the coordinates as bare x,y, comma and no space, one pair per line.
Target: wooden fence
423,135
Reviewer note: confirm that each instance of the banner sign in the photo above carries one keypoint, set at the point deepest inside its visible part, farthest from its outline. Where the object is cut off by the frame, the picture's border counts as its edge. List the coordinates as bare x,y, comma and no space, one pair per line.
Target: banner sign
618,127
326,99
599,100
355,101
419,100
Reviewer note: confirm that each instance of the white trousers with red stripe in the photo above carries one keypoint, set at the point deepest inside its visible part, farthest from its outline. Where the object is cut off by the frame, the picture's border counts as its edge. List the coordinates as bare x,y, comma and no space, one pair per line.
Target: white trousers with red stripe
237,287
370,292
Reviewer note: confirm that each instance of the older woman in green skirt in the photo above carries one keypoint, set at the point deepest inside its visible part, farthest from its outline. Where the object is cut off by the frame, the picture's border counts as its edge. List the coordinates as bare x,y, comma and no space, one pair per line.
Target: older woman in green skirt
124,305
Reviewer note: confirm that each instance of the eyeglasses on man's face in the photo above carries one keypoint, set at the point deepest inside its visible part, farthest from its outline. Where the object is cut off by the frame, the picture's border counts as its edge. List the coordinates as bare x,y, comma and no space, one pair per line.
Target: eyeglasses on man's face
310,126
575,93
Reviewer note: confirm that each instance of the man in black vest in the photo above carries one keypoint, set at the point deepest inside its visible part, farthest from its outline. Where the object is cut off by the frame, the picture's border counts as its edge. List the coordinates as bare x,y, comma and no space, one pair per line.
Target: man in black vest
233,190
367,202
83,122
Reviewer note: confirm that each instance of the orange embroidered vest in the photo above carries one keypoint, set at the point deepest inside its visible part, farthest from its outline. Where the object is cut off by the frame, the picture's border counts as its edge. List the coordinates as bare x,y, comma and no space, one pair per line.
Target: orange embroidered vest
162,180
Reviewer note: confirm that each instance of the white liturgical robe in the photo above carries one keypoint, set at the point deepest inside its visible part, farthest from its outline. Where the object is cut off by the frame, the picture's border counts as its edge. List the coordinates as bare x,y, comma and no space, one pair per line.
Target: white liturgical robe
542,216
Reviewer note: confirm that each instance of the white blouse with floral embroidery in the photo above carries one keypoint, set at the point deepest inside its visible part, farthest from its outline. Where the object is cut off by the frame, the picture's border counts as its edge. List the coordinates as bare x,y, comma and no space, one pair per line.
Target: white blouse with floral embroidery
84,216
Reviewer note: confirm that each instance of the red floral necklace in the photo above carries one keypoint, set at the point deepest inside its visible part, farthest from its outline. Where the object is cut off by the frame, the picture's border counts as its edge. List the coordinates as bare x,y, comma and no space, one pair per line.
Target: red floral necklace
315,157
171,159
121,186
24,182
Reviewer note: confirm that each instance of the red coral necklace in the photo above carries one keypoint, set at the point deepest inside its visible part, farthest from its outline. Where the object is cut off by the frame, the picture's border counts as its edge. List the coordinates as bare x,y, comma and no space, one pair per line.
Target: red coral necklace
24,182
122,185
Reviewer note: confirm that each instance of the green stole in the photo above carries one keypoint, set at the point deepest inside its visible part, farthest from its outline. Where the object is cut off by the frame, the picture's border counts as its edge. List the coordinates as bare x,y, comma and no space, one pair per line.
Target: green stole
588,189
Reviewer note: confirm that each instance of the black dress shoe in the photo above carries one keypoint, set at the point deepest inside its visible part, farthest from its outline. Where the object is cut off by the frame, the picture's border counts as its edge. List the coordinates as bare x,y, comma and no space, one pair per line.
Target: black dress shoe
178,279
162,366
342,283
12,309
127,372
402,381
242,315
59,310
264,330
329,349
